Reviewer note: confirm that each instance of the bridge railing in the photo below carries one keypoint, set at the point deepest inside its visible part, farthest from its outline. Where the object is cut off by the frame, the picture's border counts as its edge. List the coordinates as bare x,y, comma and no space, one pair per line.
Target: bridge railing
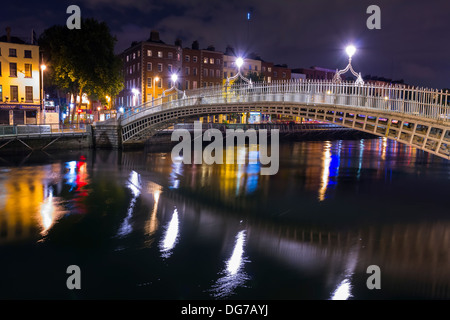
423,102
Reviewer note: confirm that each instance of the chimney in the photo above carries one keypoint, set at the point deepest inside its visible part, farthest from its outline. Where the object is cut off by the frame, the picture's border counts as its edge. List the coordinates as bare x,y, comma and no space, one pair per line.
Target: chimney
154,36
195,45
8,34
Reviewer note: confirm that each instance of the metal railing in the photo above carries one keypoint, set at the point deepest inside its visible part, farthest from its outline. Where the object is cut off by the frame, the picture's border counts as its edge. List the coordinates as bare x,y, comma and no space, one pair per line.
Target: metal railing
40,130
422,102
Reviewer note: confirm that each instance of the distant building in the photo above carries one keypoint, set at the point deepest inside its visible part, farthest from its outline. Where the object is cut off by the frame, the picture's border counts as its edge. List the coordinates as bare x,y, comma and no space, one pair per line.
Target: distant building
315,73
147,70
20,81
281,72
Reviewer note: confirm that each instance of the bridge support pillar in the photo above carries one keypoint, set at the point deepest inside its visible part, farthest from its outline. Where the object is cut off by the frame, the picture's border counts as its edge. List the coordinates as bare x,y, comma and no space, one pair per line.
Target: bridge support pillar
107,134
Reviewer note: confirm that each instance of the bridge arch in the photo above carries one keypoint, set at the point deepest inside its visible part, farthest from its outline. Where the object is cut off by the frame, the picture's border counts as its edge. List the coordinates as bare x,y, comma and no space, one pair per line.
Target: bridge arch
412,116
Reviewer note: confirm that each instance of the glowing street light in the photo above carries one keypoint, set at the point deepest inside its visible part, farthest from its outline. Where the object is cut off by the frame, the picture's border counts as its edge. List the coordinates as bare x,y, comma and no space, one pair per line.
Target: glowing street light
174,78
43,67
350,50
239,62
337,76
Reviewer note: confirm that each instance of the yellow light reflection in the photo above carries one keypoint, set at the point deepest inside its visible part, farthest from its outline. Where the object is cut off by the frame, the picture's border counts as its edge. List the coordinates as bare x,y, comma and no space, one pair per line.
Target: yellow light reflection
326,160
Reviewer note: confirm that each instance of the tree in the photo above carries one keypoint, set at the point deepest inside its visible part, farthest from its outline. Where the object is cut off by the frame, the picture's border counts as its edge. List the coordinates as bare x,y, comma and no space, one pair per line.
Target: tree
83,60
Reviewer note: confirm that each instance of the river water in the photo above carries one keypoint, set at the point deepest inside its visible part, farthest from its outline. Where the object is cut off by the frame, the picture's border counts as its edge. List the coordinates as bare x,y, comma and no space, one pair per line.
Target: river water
139,226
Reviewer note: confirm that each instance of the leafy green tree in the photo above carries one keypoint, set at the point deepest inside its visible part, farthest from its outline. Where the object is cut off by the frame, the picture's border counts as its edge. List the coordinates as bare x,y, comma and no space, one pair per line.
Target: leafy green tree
83,60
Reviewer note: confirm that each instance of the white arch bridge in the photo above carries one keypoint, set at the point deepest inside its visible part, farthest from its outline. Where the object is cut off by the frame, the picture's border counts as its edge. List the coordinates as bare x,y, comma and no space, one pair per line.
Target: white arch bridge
414,116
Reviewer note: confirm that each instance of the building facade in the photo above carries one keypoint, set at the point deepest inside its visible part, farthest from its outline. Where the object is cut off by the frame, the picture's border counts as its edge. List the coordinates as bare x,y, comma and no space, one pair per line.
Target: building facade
20,82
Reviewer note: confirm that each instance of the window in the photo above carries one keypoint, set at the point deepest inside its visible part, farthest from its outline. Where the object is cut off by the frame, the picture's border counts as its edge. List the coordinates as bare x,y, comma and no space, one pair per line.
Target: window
211,73
224,74
13,69
134,55
14,93
263,69
275,74
0,68
211,60
186,71
187,58
149,82
139,53
194,71
169,68
160,54
27,54
194,84
160,67
1,92
12,52
217,73
204,84
206,72
149,66
149,53
28,73
186,85
128,58
250,67
205,60
256,68
217,61
225,64
269,69
160,83
194,58
170,55
29,93
284,74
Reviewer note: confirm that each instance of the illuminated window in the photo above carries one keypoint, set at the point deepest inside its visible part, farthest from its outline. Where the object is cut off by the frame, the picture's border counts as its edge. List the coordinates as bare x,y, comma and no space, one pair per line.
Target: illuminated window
205,60
149,53
14,91
13,69
211,60
160,54
28,73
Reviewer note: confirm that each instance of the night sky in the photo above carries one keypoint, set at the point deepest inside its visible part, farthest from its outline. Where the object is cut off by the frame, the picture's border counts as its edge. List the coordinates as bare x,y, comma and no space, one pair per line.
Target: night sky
413,43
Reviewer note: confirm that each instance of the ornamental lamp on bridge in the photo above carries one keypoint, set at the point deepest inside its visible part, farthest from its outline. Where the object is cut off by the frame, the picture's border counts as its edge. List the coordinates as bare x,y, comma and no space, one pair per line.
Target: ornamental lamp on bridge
239,63
174,78
350,50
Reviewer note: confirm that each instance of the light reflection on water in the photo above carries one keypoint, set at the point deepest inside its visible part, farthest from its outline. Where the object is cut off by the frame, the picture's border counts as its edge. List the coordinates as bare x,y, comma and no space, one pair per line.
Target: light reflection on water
338,181
233,276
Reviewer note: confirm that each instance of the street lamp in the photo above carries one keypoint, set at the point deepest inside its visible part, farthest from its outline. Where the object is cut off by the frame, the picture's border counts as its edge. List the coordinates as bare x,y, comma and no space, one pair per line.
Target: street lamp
174,78
350,50
43,67
239,63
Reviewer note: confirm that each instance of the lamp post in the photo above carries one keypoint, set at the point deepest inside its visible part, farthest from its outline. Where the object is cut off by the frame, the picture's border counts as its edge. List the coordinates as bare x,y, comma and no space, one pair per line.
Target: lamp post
350,50
174,78
43,67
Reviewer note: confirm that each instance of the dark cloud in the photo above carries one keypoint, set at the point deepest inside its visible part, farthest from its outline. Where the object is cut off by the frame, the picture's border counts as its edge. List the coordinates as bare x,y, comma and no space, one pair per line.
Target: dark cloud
412,44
